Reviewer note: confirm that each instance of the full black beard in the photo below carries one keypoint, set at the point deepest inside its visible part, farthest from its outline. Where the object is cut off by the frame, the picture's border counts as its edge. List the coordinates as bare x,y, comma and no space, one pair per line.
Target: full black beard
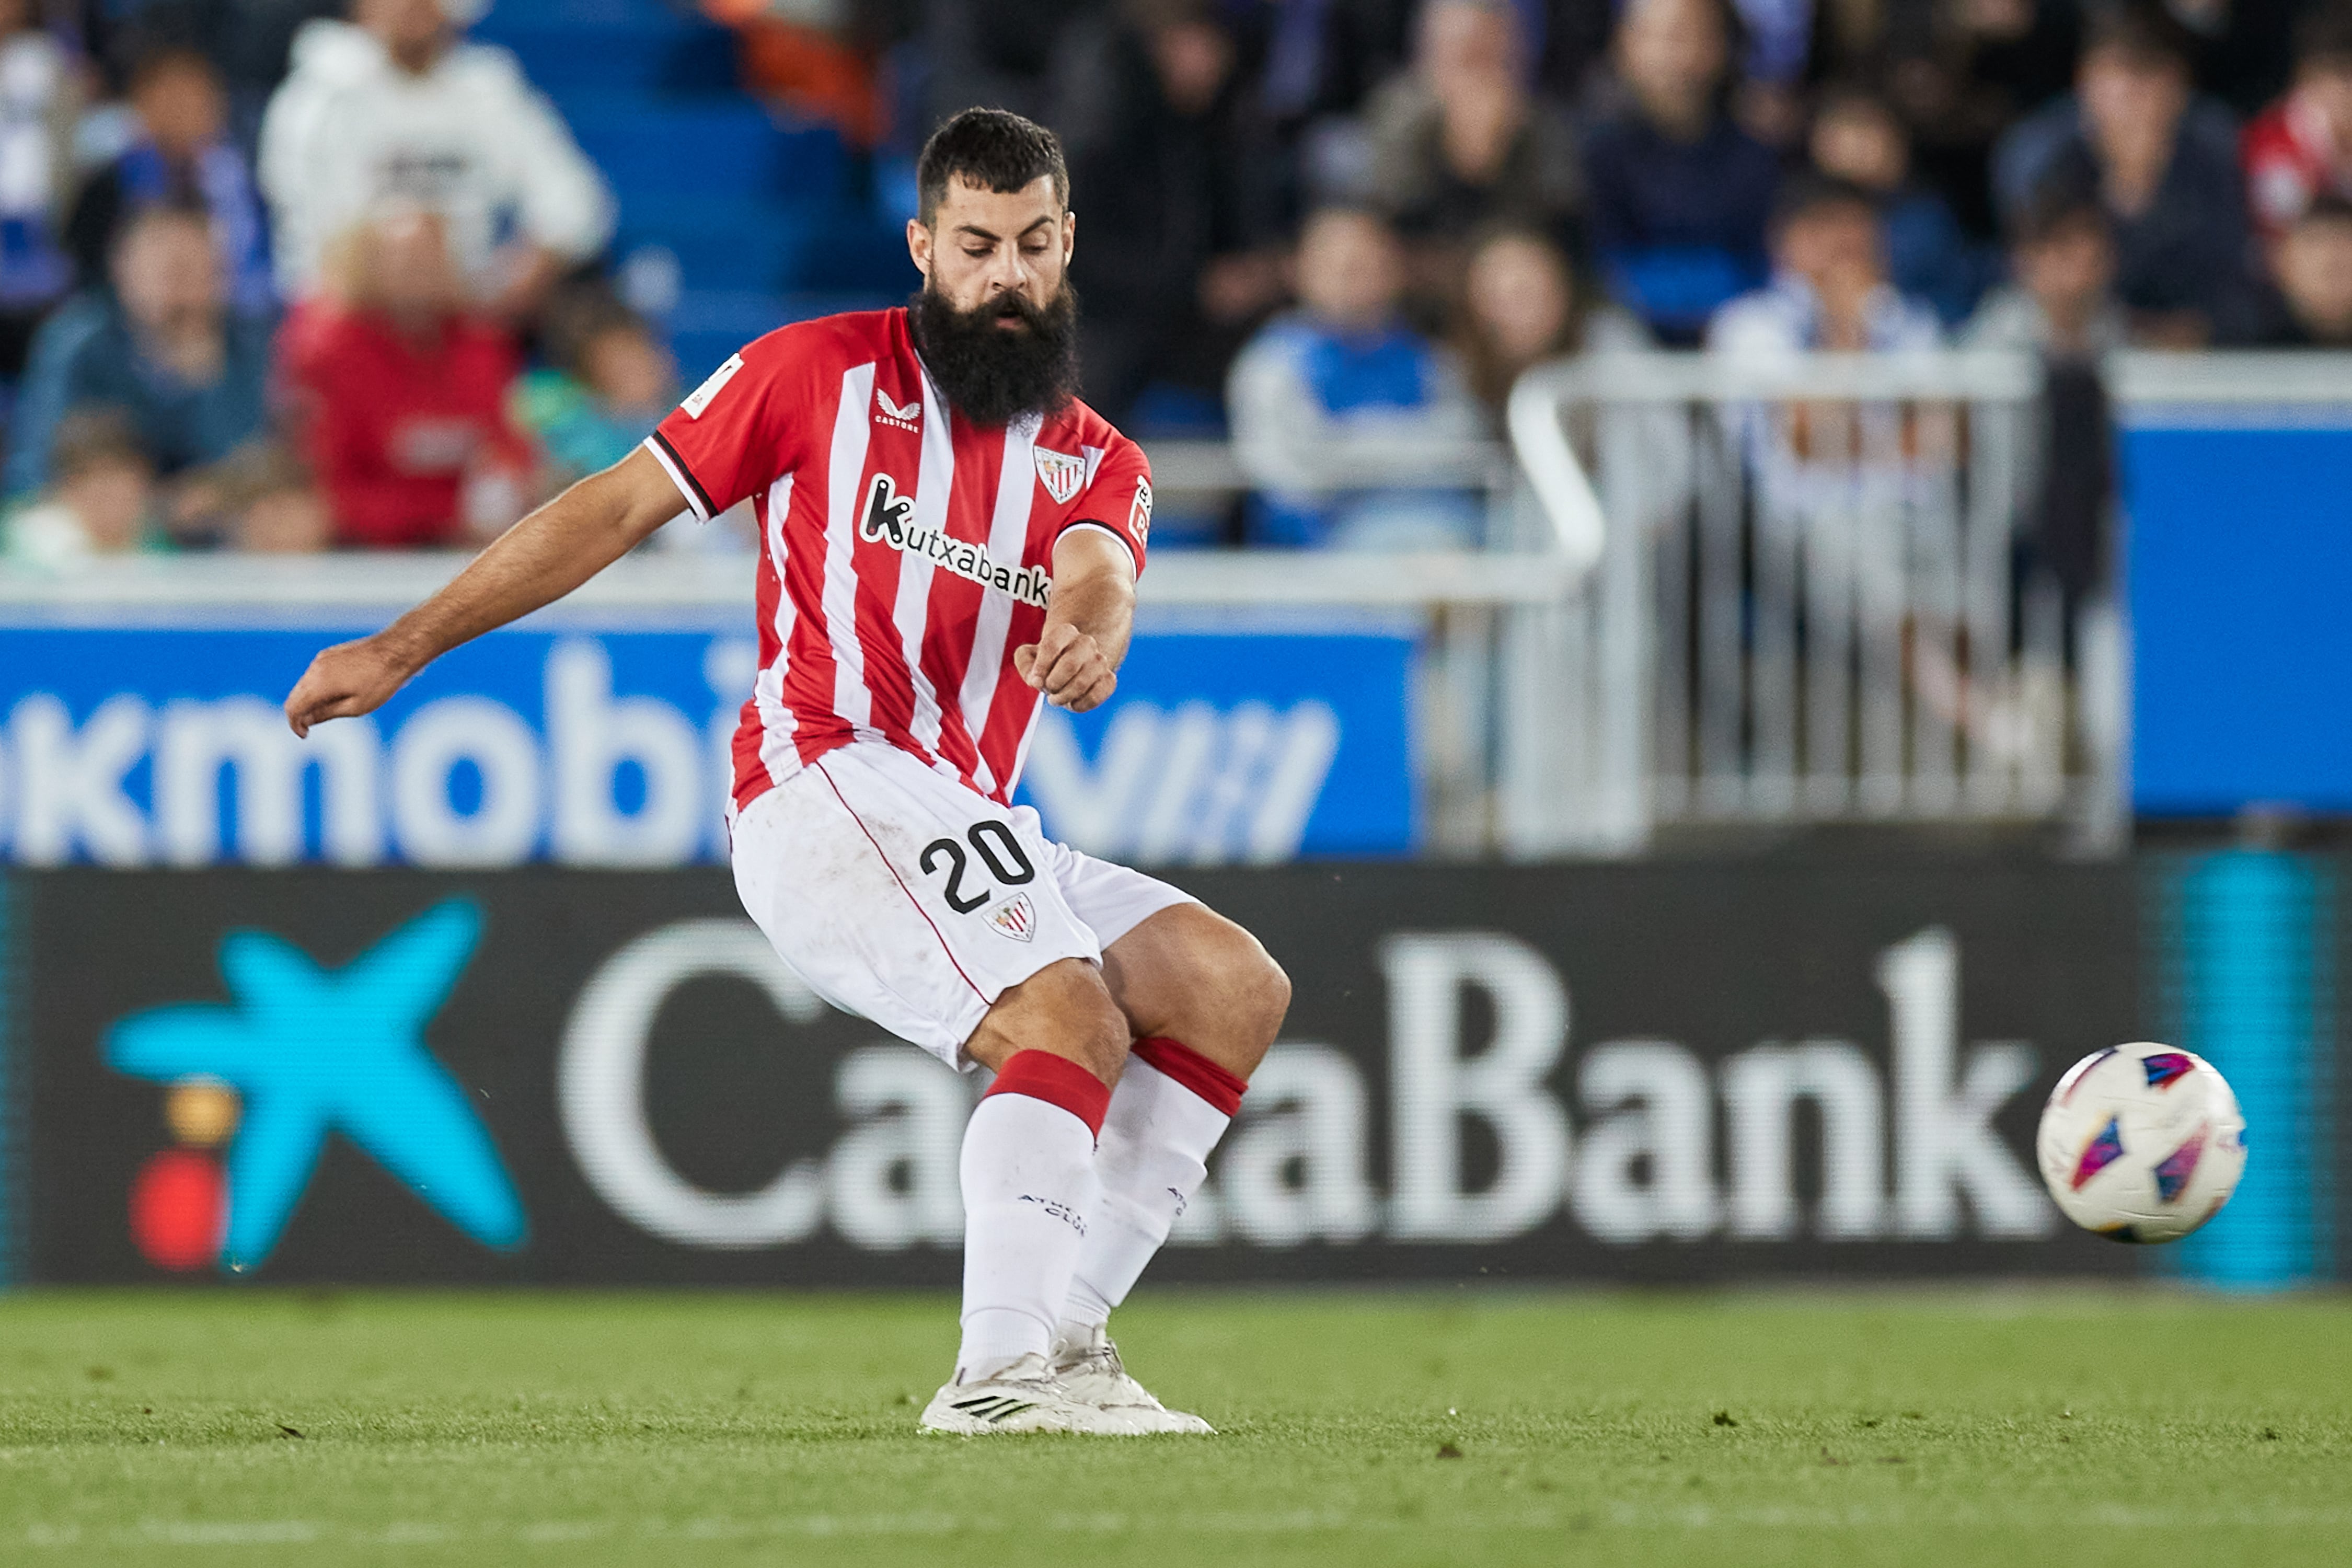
991,374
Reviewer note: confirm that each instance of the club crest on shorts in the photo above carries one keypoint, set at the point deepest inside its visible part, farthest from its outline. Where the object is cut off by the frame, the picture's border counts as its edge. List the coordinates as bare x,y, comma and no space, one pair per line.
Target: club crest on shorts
1017,917
1060,473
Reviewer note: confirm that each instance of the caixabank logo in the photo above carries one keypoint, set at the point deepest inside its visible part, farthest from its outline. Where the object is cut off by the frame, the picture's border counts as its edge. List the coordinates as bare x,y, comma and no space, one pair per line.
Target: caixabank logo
1651,1073
300,1051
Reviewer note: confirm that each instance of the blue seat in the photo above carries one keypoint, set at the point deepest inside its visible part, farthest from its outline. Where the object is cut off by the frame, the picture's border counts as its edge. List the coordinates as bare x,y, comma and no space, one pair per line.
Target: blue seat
585,15
721,243
656,57
707,147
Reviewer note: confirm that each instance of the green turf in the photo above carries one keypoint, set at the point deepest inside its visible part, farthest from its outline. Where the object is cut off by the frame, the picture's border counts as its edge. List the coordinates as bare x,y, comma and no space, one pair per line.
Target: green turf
2017,1426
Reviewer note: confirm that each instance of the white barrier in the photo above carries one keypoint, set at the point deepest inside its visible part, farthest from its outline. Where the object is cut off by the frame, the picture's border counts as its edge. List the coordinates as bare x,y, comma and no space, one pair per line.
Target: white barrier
1803,607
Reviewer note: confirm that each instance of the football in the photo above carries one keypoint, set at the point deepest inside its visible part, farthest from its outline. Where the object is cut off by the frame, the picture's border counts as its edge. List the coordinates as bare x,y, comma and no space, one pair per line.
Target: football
2141,1143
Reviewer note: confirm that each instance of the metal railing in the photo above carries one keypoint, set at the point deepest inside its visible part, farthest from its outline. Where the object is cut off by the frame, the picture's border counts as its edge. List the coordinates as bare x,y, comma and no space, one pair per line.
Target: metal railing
1804,607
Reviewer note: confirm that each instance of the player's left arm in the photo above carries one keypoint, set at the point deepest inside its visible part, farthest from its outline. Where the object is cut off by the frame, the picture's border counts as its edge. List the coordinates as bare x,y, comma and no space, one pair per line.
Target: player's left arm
1075,660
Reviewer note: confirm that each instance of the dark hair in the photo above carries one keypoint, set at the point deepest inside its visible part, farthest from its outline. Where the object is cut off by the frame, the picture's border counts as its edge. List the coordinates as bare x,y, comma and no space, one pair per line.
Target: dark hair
2325,207
1343,207
2143,33
1802,195
575,316
1734,28
2325,34
187,209
994,149
2056,207
157,59
1489,376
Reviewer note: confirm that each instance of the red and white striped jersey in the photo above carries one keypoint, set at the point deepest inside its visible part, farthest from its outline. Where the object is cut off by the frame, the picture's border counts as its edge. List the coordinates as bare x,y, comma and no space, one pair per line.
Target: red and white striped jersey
907,551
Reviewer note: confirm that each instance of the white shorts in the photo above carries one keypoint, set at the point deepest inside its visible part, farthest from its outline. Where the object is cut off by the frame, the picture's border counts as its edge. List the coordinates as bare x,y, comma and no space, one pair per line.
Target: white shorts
906,898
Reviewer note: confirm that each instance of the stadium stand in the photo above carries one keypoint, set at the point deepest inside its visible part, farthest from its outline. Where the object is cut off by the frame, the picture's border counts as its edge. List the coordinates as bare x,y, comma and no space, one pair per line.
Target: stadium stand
730,222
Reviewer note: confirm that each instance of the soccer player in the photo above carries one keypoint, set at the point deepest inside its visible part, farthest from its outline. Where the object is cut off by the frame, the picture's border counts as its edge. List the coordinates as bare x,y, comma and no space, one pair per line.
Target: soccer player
950,538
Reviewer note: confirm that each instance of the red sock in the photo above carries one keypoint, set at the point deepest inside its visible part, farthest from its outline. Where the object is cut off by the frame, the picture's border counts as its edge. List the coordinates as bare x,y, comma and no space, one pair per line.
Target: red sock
1056,1080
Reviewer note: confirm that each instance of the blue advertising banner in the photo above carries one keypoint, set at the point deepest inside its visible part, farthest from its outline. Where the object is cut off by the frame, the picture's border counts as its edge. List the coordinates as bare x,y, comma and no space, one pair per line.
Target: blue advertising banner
2240,565
165,747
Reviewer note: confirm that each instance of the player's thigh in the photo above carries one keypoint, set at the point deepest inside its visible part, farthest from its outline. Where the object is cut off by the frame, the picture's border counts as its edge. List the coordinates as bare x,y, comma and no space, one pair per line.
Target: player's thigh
1177,969
901,896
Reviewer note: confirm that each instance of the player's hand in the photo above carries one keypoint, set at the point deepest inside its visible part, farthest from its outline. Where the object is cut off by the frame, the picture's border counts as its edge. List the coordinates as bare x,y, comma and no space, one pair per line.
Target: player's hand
345,682
1069,667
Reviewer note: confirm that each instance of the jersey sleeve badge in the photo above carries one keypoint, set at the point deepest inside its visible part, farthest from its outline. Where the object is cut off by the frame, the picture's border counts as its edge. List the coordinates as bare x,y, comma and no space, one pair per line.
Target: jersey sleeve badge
1061,474
1139,515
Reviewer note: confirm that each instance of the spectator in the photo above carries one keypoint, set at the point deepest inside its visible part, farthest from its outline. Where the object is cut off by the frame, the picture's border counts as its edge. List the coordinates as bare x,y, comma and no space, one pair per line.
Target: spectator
1325,58
1677,195
1856,137
2301,147
997,52
260,500
1343,414
38,102
2062,309
394,108
100,493
820,63
610,383
1174,265
182,157
1459,141
399,394
2243,50
2171,187
163,346
2314,264
1962,71
1522,304
1779,36
2062,305
1830,291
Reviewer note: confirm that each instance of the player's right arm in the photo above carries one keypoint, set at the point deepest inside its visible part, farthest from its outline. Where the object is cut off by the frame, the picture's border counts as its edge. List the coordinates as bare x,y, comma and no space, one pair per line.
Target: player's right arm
536,563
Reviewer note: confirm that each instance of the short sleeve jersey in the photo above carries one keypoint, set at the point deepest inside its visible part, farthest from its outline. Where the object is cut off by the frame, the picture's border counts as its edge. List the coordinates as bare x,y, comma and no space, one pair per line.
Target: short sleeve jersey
906,551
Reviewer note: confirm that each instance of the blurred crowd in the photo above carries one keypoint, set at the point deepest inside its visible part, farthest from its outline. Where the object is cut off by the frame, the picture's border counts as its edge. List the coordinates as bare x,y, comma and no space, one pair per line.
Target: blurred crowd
283,281
278,277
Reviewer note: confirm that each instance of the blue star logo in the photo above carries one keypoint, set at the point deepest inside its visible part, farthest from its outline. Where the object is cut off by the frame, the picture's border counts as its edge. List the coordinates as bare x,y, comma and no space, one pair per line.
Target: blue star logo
312,1050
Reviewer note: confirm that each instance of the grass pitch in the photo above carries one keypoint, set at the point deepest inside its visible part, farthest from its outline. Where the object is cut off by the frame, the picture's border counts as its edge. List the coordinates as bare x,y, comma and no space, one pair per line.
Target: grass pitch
2005,1426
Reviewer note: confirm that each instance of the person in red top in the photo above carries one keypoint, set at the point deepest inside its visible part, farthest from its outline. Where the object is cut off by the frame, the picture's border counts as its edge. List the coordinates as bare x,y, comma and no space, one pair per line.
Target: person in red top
2301,147
950,538
400,393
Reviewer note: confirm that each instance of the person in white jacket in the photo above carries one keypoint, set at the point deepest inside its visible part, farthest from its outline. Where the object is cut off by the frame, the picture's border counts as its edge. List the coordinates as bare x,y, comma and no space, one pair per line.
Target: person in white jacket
392,106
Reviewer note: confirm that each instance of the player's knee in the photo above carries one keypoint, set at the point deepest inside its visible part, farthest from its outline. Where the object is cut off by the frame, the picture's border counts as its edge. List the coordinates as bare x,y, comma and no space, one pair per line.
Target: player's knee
1237,1002
1261,1000
1063,1008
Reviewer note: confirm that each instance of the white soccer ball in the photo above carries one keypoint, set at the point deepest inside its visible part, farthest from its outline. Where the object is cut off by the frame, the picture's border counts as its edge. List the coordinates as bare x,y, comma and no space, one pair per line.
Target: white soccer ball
2142,1142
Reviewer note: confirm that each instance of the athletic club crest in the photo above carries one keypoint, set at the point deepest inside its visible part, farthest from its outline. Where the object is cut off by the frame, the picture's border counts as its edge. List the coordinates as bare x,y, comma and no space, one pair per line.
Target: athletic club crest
1060,473
1017,917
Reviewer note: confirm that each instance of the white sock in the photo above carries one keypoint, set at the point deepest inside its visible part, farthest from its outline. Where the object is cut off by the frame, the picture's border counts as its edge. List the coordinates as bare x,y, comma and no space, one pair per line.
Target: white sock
1153,1158
1029,1195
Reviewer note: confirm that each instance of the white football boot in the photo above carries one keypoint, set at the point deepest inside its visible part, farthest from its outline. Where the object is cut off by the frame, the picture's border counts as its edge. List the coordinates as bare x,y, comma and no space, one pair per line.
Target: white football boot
1090,1368
1025,1397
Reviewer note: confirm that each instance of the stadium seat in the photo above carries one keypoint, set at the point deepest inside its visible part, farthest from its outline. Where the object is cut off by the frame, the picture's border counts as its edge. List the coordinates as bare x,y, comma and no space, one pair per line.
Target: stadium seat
707,147
653,57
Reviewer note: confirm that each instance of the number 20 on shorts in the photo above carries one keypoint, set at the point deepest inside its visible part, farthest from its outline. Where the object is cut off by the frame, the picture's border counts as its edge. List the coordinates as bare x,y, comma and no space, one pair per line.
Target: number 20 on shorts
993,842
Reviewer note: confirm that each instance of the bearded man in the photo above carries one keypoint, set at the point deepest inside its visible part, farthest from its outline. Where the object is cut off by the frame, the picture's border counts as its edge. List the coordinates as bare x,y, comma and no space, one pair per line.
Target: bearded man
951,539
